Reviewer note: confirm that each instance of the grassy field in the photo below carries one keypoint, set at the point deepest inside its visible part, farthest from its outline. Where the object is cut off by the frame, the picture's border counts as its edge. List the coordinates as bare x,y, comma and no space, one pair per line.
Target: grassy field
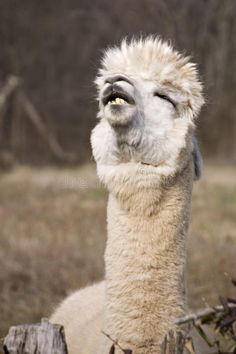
53,232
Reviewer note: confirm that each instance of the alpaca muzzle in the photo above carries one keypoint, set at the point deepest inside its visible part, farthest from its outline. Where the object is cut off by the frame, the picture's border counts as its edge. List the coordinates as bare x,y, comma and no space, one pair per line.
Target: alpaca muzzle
118,102
116,95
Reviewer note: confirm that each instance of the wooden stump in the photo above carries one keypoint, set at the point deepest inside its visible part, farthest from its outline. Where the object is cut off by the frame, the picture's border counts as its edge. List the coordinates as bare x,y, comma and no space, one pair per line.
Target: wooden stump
40,338
47,338
173,343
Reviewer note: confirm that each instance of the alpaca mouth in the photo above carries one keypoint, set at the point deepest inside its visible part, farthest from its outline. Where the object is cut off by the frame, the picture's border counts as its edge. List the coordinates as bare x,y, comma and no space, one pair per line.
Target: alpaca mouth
117,98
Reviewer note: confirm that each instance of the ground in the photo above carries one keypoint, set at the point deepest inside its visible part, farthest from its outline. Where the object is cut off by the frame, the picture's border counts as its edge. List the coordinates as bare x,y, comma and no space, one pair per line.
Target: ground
53,231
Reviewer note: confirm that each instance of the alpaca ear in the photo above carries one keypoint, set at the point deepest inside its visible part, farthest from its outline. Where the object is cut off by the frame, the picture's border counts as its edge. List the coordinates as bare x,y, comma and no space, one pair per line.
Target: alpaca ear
197,160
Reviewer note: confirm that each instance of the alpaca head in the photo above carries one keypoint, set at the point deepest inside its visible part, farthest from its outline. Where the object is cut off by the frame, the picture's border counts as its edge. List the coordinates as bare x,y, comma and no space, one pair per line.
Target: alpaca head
149,96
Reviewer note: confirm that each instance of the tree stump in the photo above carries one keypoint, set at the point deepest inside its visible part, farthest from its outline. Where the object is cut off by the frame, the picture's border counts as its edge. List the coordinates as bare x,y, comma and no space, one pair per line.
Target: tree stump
173,343
40,338
47,338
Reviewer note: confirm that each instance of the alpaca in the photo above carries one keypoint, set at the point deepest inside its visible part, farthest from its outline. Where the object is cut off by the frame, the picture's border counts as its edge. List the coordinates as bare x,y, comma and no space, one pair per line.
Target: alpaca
147,157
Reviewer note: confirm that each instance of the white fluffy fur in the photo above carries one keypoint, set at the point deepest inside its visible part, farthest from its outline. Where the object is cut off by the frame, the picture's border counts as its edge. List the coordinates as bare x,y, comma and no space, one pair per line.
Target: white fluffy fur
81,314
144,157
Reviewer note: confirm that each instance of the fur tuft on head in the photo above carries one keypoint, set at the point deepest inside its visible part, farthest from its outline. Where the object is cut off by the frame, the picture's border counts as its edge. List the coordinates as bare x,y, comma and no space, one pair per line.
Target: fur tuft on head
149,96
153,59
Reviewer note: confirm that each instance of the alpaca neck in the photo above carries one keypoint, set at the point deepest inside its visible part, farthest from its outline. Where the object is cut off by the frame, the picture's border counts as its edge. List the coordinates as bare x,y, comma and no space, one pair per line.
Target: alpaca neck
145,263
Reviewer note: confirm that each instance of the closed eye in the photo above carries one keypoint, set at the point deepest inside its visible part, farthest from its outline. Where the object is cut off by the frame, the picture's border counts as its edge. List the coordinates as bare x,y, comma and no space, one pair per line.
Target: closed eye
166,98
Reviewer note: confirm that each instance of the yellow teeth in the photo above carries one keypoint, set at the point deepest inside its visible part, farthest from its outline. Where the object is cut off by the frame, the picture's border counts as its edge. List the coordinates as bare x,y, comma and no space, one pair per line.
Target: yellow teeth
117,101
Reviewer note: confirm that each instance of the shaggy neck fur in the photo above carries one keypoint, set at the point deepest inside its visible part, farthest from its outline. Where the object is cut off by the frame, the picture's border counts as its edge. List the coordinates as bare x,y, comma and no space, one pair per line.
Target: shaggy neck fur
149,96
145,262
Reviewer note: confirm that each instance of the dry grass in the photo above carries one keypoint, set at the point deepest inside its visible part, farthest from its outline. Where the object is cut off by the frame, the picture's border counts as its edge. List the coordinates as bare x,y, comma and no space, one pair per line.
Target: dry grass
212,241
53,233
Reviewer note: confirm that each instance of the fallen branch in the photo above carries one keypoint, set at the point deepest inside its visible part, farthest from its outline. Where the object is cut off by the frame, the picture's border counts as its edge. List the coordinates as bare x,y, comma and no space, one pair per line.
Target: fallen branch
37,121
201,314
12,83
13,89
115,343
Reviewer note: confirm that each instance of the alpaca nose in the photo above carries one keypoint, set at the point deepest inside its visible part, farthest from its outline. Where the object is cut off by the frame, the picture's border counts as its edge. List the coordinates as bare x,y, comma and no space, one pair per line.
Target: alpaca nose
114,79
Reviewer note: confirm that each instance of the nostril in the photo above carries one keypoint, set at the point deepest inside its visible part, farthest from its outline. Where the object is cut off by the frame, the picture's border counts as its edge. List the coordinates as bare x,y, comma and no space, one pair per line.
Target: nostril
109,81
113,79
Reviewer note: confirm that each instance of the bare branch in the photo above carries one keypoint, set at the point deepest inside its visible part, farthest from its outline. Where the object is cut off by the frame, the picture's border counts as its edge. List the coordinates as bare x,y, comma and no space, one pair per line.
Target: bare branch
37,121
115,343
12,83
201,314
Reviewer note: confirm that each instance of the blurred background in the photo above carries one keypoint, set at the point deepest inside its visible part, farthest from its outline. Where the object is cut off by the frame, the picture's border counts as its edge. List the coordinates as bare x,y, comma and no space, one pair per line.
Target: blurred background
52,208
